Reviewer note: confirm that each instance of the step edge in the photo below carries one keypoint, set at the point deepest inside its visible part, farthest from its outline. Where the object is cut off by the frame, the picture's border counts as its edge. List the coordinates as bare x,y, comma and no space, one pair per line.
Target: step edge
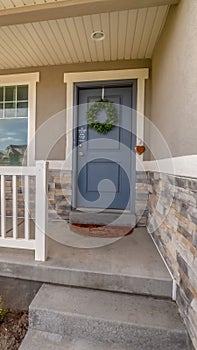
39,265
45,334
89,317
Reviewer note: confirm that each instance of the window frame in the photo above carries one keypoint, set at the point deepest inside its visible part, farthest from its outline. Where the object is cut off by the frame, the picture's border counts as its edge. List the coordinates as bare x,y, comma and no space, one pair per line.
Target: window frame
30,79
14,101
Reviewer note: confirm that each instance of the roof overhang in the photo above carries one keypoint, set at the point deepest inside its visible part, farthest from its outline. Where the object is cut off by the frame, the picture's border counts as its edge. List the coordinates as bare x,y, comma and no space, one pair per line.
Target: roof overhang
70,8
60,31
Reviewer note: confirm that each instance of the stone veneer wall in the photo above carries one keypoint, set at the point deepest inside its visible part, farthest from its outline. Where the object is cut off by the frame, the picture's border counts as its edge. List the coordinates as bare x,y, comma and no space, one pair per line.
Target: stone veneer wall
60,192
20,195
173,222
59,187
142,193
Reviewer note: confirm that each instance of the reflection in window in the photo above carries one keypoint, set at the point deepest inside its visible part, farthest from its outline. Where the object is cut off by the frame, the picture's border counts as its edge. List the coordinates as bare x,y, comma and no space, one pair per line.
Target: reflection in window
13,124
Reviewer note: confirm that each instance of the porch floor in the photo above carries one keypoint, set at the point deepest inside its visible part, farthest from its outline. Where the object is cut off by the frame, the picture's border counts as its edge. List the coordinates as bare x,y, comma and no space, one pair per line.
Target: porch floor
131,264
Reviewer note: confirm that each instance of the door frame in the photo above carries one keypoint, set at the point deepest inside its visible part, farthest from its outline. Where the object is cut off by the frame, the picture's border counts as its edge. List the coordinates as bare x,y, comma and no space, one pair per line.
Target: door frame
112,83
77,78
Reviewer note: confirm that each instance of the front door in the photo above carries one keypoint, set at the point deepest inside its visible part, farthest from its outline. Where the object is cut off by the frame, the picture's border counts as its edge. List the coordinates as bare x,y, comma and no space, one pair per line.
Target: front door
105,163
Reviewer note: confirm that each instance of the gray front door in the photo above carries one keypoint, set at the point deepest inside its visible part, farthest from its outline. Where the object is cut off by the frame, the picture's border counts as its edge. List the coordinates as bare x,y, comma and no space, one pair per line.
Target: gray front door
106,162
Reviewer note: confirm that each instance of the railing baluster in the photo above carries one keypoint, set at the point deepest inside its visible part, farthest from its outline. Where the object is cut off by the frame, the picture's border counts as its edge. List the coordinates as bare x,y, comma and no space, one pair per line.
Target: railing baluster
14,207
27,208
3,230
39,242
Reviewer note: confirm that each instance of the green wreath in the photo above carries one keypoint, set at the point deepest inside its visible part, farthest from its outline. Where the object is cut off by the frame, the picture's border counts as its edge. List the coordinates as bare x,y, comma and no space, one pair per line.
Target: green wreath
111,112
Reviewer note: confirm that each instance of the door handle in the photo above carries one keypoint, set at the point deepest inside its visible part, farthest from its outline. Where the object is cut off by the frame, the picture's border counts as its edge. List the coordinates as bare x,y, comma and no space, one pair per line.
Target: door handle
81,154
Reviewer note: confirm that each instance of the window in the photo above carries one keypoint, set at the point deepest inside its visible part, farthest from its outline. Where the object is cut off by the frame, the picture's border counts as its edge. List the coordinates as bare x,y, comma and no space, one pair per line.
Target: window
17,118
13,124
14,101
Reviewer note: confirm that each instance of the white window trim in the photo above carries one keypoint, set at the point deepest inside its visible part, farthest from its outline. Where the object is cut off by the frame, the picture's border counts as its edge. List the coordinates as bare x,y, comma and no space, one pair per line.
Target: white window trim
70,79
31,80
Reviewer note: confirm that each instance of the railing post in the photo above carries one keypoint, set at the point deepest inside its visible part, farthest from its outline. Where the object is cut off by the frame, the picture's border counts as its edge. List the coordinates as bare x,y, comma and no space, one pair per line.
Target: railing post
41,214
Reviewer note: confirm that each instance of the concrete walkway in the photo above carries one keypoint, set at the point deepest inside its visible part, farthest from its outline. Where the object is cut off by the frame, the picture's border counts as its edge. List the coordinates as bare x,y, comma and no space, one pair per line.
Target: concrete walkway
65,316
131,264
89,317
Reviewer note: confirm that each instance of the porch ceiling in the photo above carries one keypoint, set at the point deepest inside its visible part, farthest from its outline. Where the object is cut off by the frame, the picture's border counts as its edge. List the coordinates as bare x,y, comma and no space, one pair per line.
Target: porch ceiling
29,5
130,34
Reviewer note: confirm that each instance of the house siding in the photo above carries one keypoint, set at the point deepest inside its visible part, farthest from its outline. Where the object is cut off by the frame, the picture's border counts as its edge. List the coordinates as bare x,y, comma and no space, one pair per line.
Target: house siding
172,203
51,120
173,225
174,81
51,100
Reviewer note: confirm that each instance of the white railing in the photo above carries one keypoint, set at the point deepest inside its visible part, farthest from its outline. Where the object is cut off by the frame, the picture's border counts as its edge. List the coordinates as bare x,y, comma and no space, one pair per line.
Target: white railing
11,235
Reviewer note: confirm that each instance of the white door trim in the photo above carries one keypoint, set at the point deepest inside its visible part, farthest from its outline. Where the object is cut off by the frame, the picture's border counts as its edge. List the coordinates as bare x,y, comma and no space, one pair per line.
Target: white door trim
70,79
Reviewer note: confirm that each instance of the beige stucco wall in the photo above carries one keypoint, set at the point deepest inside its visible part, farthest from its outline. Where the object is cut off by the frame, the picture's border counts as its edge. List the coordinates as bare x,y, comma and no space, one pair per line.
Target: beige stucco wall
51,100
174,81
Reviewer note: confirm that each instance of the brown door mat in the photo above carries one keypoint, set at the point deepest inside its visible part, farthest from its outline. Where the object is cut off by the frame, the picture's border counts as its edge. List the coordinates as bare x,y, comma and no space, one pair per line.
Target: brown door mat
103,231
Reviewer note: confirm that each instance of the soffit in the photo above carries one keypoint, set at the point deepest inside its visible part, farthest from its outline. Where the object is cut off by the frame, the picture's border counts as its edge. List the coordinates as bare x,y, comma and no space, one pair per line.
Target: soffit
130,34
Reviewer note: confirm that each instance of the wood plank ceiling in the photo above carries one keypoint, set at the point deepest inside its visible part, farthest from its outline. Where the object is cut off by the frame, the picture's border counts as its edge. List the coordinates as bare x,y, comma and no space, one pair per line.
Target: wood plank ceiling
7,4
130,34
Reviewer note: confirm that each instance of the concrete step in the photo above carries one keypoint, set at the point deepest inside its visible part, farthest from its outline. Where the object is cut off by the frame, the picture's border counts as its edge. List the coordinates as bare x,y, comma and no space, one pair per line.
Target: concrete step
131,264
115,318
103,218
37,340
